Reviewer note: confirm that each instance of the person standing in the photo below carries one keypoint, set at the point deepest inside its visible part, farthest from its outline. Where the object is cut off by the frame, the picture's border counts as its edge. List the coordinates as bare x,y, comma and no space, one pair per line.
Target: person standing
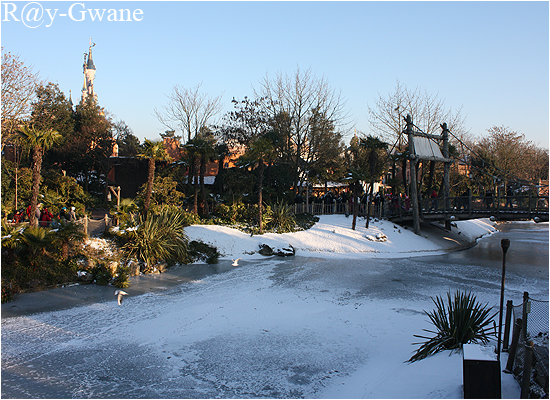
72,215
45,217
62,214
433,196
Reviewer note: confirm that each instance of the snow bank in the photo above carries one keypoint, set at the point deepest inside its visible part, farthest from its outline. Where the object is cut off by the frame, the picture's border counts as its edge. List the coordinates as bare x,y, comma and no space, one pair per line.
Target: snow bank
474,229
333,236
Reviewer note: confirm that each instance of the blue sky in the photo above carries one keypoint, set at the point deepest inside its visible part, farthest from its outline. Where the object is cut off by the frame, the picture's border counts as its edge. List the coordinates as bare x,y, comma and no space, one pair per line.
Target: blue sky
490,58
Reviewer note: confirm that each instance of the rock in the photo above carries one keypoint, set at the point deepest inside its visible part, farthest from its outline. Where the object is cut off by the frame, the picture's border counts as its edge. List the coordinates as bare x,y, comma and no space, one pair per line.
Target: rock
381,237
161,267
134,268
84,276
285,251
112,267
265,250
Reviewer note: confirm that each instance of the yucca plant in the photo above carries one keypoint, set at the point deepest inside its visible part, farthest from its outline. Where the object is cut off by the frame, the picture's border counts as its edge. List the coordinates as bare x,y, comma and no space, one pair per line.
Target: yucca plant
463,320
282,218
159,237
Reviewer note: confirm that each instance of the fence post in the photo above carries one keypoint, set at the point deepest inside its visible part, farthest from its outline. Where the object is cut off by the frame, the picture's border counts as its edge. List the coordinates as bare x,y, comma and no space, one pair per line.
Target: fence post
86,224
509,310
514,346
526,310
526,384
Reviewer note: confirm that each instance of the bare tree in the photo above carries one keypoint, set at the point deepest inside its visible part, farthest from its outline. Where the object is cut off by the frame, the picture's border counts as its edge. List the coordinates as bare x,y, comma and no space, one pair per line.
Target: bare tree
19,84
428,112
507,154
189,110
292,100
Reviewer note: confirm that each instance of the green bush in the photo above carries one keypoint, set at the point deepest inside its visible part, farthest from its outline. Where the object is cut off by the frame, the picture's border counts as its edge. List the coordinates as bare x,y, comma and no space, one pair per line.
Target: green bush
200,251
305,221
463,320
101,274
121,279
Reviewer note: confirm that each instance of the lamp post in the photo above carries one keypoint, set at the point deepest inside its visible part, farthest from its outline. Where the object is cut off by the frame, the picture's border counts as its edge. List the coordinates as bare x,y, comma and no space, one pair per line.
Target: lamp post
505,244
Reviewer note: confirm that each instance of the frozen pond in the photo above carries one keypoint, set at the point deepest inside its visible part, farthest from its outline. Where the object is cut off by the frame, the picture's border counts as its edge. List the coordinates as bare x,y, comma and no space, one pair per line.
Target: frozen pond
278,328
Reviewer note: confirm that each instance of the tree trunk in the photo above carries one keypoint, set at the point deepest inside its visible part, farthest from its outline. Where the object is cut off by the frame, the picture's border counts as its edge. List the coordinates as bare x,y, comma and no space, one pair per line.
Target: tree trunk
371,189
191,173
65,250
150,182
16,184
196,187
36,169
355,194
404,175
430,178
204,201
261,168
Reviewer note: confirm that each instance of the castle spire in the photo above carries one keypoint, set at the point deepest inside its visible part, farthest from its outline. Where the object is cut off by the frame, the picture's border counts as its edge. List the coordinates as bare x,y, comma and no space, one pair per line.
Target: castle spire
90,64
89,74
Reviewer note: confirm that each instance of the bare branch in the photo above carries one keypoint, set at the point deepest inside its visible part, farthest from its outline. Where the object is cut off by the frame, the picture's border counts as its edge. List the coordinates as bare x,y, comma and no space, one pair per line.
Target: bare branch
188,110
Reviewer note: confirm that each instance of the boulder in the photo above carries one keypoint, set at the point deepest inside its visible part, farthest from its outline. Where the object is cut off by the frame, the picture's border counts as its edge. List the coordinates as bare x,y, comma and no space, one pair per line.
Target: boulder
134,268
84,277
285,251
265,250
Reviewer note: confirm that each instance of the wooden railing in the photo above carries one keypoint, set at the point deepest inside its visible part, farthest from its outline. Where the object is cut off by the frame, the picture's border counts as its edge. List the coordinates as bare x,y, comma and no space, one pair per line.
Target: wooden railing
464,207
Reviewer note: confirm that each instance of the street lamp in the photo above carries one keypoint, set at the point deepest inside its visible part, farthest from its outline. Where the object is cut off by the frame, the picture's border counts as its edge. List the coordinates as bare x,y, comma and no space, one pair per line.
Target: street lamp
505,244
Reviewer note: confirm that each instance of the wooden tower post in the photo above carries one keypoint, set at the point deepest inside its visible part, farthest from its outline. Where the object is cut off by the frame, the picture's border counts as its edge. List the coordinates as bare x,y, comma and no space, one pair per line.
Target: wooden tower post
446,180
412,162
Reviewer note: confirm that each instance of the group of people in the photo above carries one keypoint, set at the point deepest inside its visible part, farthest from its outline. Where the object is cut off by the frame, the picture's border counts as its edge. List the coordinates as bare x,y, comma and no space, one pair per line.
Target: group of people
43,215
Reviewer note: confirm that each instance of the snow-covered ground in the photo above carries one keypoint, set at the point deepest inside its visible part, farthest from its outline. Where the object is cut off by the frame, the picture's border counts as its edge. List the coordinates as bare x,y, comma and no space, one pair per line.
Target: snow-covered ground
333,236
332,322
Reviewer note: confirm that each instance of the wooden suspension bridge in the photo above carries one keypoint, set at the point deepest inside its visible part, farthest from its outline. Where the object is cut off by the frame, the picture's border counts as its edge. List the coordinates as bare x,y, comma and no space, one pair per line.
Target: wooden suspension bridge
424,147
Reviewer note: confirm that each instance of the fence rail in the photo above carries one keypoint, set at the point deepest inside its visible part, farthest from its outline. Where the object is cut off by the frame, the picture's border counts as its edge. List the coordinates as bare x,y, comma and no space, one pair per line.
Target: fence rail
461,207
90,226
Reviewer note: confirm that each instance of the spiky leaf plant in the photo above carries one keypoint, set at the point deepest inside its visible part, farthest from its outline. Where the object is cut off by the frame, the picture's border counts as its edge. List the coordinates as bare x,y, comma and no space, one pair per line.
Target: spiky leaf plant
282,218
160,237
462,320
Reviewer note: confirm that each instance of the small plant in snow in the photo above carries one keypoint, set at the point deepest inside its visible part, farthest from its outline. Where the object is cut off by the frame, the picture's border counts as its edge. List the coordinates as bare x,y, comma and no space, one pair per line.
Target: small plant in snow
463,320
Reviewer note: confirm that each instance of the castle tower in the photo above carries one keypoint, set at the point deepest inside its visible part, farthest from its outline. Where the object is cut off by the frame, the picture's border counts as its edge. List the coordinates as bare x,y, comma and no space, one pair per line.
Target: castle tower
89,75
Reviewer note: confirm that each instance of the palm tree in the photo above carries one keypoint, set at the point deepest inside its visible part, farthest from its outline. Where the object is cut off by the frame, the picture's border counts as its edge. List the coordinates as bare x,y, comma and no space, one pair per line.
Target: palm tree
376,164
69,233
38,141
37,240
206,152
192,152
153,151
261,151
